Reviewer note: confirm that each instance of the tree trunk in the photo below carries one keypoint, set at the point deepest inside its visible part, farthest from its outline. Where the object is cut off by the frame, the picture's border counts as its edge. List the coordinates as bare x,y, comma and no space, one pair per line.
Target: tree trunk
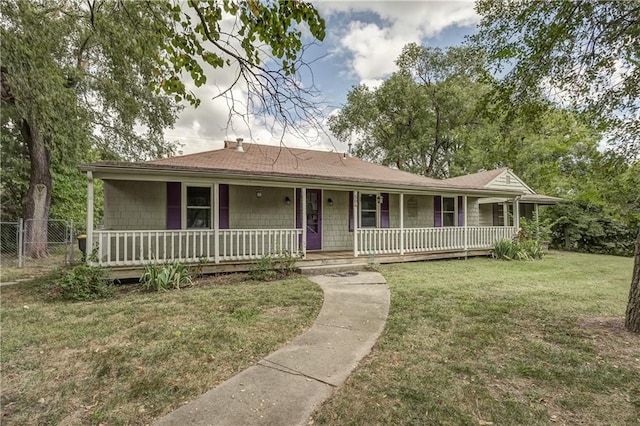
632,319
37,202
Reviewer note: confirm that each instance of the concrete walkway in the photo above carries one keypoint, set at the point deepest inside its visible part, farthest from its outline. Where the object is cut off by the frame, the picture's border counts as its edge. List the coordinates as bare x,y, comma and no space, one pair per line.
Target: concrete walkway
287,386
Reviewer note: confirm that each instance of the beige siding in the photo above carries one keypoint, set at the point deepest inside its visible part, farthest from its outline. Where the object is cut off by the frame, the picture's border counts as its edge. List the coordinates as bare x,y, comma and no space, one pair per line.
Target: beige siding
486,215
135,205
335,221
246,211
418,211
508,181
473,215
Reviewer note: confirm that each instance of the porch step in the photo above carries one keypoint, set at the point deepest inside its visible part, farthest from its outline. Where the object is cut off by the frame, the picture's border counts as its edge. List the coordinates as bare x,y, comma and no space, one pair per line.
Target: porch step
329,269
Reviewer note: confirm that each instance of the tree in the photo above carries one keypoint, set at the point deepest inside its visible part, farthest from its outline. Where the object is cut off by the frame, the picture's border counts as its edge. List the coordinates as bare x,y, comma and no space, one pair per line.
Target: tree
584,54
416,119
98,74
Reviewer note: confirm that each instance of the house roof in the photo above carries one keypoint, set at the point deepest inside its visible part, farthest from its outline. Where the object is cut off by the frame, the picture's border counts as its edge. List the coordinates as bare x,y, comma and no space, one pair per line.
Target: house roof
477,180
256,161
293,162
489,179
540,199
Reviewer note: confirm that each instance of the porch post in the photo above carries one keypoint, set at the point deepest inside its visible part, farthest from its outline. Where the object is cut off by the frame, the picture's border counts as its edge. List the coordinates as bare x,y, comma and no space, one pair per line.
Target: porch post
216,223
537,219
355,223
466,229
402,224
516,213
505,214
303,220
89,241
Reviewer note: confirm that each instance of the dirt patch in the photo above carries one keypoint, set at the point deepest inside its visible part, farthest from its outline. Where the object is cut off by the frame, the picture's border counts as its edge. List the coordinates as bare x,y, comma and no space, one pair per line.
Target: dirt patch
221,279
612,340
604,325
281,311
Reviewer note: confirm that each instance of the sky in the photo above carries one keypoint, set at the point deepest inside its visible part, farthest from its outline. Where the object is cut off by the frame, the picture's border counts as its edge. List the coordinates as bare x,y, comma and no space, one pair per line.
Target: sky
363,40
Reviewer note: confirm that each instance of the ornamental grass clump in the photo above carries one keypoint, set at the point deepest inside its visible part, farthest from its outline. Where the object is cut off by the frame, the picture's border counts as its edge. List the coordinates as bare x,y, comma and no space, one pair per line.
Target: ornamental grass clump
506,249
168,276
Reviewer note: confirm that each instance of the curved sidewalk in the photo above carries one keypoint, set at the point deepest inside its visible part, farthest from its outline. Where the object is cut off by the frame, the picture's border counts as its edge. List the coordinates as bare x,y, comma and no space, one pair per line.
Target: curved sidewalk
288,385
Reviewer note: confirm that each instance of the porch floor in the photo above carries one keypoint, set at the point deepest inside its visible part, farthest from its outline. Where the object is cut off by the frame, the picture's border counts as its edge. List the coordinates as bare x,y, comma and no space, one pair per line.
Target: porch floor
316,262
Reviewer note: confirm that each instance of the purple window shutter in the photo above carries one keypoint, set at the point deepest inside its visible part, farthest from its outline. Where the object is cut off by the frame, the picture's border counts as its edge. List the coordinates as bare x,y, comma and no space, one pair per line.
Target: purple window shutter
298,208
384,210
437,211
460,210
174,205
223,206
350,211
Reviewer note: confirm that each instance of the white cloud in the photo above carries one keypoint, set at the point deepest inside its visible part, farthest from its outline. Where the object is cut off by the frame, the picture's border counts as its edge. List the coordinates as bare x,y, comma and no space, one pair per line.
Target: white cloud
371,48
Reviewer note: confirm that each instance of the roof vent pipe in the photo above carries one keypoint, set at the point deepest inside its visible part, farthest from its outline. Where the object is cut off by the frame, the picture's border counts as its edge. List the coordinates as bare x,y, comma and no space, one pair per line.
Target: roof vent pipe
239,147
349,151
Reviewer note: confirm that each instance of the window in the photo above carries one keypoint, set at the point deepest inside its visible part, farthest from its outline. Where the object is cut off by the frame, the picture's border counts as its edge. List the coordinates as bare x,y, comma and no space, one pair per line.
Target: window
369,211
448,211
198,207
498,215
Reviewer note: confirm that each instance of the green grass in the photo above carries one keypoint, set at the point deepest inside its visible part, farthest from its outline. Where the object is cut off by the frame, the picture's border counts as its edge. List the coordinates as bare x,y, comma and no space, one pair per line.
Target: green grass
134,358
509,343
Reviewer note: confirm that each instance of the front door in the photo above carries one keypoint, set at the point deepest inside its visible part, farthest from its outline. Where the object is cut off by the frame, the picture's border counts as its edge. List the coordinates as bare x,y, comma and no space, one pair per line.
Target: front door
314,219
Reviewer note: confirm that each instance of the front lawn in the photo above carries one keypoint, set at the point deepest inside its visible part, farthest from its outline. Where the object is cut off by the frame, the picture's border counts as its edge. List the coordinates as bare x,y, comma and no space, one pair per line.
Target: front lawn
505,343
134,358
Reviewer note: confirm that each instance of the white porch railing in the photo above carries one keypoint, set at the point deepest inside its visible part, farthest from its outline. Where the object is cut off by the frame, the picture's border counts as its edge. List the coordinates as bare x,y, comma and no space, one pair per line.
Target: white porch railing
130,248
480,237
387,241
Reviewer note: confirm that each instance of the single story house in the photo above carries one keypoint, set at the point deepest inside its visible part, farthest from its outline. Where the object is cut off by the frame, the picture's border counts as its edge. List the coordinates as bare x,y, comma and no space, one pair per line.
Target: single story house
231,206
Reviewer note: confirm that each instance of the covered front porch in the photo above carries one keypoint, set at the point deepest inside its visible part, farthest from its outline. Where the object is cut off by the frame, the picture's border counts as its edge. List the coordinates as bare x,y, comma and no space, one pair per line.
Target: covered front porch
204,223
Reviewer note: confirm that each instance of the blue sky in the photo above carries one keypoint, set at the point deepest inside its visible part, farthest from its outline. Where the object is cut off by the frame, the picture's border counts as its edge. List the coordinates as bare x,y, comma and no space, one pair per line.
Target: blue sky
363,40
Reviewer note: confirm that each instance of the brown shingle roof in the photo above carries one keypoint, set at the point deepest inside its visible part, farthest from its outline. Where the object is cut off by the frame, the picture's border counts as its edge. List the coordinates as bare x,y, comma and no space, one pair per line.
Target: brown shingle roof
290,163
275,160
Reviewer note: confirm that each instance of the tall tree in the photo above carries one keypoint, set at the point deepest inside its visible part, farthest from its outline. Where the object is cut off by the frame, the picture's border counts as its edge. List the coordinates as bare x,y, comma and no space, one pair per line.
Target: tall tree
77,74
582,53
414,120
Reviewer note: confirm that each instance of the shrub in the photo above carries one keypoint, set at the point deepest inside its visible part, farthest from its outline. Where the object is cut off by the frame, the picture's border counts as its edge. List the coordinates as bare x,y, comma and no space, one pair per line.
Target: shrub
287,263
532,248
83,282
518,250
578,226
264,270
268,268
534,229
163,277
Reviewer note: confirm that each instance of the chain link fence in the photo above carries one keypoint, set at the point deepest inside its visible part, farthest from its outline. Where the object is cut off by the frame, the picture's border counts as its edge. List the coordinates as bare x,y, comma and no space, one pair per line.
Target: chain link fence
10,243
40,243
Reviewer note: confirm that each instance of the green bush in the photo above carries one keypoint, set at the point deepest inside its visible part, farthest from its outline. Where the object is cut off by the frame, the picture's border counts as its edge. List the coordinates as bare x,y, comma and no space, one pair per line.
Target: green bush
268,268
83,282
534,229
532,248
579,226
264,270
518,250
163,277
286,263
